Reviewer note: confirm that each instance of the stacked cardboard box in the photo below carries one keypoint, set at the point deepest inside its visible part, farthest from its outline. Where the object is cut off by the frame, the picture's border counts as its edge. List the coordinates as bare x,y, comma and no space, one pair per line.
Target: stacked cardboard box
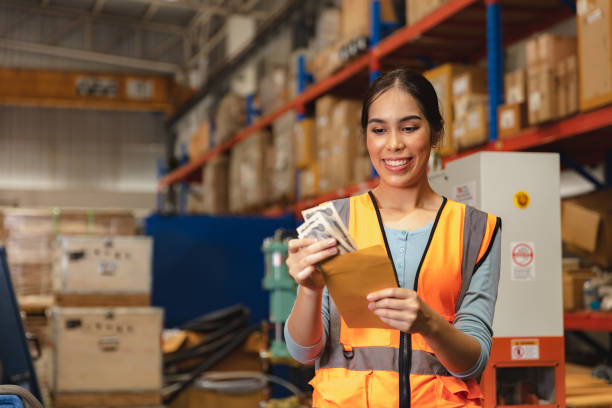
339,142
230,117
105,340
356,17
470,108
274,89
31,236
595,52
442,80
512,116
586,226
282,186
199,143
417,9
249,161
544,54
574,278
106,357
215,183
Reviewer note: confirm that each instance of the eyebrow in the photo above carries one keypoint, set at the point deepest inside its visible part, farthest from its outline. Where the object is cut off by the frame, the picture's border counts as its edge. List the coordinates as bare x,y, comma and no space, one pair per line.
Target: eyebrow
405,118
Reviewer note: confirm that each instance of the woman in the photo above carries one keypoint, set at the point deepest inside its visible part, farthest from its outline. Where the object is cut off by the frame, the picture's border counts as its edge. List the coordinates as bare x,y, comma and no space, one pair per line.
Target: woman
446,259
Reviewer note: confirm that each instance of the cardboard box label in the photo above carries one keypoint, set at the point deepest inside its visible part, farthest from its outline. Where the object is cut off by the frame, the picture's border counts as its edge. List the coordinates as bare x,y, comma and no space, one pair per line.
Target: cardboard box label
523,261
460,85
473,120
594,16
581,7
514,95
507,119
535,101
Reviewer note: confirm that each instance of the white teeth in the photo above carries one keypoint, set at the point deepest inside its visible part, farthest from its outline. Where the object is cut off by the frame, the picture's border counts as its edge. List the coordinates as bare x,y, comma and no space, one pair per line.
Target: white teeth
396,162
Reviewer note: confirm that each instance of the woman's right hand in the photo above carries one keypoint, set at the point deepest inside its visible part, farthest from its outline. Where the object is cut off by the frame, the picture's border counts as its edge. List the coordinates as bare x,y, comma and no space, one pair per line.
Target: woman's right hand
304,255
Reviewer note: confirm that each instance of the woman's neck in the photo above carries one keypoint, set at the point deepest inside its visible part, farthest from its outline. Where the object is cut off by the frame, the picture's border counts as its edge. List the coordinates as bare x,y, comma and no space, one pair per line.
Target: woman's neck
406,199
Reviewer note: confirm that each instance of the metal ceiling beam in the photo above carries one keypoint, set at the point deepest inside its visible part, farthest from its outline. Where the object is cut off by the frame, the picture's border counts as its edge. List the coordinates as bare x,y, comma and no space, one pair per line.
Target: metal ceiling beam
116,60
110,19
67,31
98,6
198,6
151,10
163,47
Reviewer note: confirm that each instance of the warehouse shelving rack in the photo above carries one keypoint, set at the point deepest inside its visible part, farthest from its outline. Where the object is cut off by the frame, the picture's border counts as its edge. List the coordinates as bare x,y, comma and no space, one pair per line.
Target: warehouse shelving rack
459,31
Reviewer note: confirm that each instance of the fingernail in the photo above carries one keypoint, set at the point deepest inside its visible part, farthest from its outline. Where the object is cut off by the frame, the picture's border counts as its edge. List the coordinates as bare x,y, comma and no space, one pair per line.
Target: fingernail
331,241
370,297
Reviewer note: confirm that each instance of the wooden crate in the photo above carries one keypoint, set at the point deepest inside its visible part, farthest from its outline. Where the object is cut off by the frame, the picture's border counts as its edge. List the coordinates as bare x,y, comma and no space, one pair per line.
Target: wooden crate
102,271
106,350
31,279
106,399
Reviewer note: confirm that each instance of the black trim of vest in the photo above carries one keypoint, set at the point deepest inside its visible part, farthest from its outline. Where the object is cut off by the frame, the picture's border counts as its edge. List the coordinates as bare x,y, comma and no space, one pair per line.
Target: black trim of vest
498,225
405,349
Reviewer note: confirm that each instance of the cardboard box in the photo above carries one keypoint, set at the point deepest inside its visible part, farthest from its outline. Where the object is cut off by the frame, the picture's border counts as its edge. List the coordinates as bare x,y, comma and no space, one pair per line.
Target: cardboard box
542,90
274,89
473,81
472,130
549,49
31,279
417,9
22,222
92,266
362,169
199,143
308,180
346,113
552,48
463,104
515,85
324,107
327,61
567,82
100,350
282,185
215,178
586,226
327,29
573,288
441,78
304,142
511,119
230,117
594,52
356,17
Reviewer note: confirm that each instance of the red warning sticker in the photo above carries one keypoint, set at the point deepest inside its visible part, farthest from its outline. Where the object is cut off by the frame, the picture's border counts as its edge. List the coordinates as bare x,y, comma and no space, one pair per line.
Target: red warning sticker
523,261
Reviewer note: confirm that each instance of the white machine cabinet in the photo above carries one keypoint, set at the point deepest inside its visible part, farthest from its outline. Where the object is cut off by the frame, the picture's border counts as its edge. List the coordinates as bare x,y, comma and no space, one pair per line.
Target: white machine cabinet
527,360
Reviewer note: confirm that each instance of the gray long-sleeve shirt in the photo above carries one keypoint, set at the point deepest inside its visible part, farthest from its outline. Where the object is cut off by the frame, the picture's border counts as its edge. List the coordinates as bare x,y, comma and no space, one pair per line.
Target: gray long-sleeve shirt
475,316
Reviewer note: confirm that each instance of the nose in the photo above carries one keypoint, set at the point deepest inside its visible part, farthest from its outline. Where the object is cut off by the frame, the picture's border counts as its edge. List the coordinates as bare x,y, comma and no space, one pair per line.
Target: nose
394,142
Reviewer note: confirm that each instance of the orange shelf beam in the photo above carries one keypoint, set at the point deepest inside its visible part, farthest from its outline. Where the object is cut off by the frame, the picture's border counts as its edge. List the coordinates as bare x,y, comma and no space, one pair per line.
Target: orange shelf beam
588,321
542,135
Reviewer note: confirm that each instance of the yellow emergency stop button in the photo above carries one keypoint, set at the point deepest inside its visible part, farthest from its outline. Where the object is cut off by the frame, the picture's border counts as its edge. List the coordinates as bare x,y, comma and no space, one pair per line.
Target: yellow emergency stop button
521,200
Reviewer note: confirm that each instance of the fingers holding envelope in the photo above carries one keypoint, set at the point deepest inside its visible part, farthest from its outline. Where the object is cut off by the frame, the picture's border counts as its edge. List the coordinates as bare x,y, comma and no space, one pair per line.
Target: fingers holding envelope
400,308
304,255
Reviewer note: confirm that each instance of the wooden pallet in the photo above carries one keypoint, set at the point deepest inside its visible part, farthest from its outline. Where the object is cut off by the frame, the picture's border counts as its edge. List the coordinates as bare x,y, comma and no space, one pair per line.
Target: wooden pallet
103,399
102,300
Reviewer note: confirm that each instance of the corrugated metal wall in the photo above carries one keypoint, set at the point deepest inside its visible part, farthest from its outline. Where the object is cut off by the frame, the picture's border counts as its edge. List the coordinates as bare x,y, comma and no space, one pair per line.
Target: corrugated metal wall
59,149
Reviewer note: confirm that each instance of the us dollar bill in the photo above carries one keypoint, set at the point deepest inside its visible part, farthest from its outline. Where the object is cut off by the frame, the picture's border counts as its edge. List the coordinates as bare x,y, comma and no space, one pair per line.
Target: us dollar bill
328,210
319,228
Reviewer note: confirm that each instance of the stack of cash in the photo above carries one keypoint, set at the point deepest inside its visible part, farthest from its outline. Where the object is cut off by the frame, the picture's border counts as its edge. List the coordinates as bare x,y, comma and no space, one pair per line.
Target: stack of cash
323,222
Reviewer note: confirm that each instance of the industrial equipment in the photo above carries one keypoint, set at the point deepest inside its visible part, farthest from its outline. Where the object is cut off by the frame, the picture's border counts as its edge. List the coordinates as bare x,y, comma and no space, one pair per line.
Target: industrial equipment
527,364
281,286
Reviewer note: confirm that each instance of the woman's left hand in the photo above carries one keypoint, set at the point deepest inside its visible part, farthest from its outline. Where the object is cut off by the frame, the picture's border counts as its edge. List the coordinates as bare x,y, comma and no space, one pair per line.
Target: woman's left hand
401,309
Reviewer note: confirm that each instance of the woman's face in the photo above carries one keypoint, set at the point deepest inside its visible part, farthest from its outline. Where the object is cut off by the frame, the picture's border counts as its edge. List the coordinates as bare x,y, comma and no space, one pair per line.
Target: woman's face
398,138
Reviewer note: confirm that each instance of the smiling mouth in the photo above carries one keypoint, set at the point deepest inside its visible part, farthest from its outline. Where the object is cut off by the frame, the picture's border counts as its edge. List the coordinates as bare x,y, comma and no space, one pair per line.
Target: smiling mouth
396,163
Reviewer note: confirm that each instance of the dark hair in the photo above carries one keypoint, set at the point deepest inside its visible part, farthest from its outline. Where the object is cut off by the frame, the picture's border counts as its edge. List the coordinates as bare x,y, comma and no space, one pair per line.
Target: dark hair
418,87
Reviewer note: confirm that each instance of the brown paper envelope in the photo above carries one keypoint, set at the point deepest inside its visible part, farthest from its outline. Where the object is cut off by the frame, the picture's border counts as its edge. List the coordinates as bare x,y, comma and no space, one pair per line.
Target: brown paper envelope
352,276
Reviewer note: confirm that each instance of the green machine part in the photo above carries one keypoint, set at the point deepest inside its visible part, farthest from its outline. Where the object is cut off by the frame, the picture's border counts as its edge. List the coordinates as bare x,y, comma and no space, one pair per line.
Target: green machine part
282,289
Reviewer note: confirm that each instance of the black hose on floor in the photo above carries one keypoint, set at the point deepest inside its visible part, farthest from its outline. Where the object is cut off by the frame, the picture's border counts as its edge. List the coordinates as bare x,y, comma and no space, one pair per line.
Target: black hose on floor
226,330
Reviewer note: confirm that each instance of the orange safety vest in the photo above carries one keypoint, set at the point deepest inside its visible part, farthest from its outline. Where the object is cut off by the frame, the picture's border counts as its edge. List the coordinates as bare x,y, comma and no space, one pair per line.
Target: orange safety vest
378,368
